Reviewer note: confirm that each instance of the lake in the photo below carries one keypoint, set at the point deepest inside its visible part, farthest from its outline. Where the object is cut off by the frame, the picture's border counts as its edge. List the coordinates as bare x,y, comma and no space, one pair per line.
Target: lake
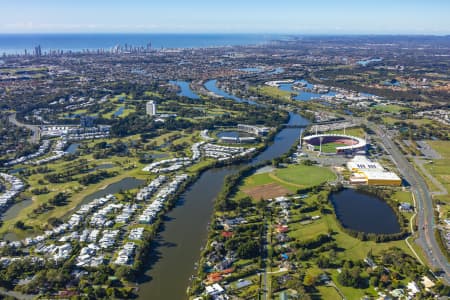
126,183
363,212
72,148
119,112
303,95
185,89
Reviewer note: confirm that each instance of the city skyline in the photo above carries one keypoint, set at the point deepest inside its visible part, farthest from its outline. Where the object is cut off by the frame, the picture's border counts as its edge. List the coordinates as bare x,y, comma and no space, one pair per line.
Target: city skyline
292,17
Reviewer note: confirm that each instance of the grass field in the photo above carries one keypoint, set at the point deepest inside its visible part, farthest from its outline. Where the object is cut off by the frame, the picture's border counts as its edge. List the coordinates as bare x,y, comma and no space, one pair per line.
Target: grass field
272,92
403,196
304,176
417,122
327,292
440,170
390,108
284,180
328,147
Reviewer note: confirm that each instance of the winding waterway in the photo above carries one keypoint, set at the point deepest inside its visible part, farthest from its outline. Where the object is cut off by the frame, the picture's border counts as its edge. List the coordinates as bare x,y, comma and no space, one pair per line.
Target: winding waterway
184,231
211,85
185,89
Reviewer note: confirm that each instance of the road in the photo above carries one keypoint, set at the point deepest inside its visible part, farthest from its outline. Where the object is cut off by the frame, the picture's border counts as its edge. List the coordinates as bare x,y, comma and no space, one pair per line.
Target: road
34,128
425,209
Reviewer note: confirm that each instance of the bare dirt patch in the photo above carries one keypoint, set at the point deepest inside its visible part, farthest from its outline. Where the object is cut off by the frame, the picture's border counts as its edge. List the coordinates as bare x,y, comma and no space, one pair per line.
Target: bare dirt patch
267,191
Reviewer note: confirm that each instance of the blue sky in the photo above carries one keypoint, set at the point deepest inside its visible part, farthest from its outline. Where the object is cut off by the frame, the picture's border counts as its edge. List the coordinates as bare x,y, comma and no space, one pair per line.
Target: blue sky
227,16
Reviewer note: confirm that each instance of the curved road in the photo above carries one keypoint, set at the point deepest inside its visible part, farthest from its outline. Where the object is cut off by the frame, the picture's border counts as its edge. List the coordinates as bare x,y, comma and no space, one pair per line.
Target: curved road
34,128
425,209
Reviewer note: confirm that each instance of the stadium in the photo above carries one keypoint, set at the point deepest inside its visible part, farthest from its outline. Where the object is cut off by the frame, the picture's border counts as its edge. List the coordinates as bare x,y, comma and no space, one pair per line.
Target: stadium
335,143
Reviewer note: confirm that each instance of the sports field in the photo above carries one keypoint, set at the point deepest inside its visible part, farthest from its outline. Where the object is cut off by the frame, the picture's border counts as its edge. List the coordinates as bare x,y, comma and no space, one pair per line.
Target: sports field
329,147
283,181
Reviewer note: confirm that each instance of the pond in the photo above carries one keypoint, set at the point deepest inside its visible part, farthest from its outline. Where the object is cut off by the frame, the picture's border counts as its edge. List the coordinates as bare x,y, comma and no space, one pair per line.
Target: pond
126,183
15,171
364,212
119,112
72,148
303,95
14,210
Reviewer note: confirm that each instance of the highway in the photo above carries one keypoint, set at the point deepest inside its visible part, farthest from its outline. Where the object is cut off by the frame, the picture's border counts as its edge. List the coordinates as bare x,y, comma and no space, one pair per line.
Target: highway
425,209
34,128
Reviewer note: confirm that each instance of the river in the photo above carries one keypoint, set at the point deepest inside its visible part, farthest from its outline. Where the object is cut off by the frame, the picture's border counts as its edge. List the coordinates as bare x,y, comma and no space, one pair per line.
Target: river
185,89
177,246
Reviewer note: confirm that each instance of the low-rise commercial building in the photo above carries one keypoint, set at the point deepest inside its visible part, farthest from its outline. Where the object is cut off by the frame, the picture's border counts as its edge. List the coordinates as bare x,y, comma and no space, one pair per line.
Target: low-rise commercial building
364,171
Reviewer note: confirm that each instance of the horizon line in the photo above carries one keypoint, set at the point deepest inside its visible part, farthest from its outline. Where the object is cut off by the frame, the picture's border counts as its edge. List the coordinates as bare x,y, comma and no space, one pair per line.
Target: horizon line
232,33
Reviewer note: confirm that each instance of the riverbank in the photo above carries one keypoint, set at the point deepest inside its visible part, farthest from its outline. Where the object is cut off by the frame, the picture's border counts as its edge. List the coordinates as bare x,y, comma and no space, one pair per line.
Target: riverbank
186,226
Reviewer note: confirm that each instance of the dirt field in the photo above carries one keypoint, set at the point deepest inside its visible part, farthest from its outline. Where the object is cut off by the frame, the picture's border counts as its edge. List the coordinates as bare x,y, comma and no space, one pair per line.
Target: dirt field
266,191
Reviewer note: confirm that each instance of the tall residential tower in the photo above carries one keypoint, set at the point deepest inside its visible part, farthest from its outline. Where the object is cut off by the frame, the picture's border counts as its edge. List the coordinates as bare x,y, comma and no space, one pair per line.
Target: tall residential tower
151,108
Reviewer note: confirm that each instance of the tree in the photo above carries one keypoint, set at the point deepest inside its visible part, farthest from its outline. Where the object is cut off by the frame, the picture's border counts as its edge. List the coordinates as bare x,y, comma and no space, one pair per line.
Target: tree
124,272
249,249
20,225
323,261
310,278
245,202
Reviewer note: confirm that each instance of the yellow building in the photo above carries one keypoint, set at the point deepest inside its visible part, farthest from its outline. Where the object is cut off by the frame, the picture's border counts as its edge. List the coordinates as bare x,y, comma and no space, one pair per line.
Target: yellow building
364,171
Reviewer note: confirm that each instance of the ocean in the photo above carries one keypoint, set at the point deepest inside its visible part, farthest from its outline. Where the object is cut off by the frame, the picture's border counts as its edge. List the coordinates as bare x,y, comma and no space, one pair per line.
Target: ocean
17,43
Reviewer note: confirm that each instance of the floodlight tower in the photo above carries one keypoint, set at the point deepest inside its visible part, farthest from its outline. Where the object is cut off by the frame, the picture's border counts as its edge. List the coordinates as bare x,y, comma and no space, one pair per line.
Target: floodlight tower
320,145
300,142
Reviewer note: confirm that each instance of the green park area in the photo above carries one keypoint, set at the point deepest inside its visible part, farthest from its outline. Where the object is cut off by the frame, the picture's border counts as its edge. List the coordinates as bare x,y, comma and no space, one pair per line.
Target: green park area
390,108
284,181
388,120
272,92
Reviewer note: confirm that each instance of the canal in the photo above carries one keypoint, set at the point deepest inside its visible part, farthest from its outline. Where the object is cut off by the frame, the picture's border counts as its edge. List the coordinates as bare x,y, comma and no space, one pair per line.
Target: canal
178,244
